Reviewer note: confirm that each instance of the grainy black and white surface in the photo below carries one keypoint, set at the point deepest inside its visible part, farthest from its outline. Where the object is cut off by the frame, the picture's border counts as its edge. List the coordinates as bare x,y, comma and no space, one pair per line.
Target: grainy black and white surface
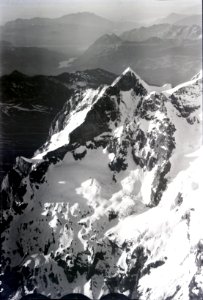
101,150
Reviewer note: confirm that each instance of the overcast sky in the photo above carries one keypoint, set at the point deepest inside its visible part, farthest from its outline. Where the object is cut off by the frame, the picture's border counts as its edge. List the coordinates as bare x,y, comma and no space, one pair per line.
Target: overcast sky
131,10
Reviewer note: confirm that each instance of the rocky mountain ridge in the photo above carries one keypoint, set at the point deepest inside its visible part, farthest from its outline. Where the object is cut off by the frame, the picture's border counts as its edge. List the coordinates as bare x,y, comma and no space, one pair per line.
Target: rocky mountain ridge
35,101
111,202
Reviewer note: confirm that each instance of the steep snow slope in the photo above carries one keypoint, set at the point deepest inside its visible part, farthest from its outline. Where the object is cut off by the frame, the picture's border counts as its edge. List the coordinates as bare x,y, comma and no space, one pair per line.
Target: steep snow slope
111,202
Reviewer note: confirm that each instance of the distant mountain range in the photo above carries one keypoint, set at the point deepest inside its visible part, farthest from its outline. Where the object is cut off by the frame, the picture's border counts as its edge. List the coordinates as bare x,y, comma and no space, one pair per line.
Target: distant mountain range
164,31
181,19
73,33
157,60
169,51
70,34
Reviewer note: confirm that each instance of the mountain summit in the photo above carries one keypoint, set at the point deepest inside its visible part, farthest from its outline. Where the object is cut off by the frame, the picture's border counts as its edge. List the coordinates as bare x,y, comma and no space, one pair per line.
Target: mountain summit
129,79
113,200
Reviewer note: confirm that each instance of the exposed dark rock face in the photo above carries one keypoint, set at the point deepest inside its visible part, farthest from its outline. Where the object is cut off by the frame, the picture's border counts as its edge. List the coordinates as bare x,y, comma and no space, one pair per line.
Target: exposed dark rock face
14,190
181,99
131,81
184,110
160,143
195,289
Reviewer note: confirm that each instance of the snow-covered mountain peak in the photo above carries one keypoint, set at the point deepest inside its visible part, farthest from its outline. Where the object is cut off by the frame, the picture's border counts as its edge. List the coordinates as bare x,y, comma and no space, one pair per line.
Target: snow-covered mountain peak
130,80
111,104
129,69
83,215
